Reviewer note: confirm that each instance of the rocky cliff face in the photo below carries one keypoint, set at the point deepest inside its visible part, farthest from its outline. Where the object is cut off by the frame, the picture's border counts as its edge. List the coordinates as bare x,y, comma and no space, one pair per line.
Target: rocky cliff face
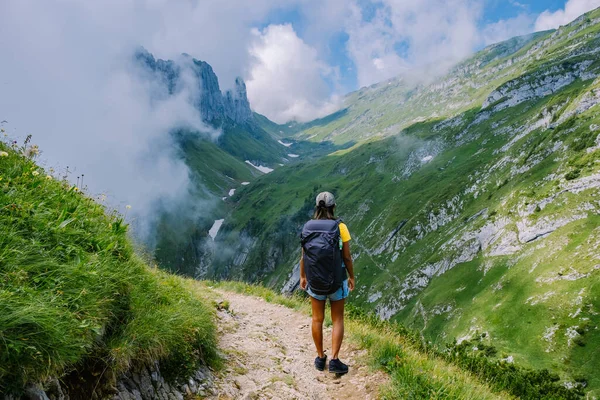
213,105
142,383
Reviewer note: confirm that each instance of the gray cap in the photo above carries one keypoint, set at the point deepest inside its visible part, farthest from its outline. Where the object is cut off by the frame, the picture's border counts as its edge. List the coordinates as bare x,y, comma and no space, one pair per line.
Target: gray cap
327,198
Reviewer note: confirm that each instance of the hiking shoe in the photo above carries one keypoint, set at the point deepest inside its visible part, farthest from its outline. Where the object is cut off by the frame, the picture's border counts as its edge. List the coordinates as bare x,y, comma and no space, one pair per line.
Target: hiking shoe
337,367
320,362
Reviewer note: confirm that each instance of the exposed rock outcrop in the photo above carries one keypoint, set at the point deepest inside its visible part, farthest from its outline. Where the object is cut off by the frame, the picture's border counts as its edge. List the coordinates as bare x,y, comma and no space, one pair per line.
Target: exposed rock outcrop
143,383
531,87
213,105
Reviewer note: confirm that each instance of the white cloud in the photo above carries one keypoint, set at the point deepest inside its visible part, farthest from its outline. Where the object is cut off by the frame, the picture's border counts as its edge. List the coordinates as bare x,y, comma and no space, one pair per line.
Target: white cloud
428,32
286,79
69,79
507,28
517,4
573,9
371,47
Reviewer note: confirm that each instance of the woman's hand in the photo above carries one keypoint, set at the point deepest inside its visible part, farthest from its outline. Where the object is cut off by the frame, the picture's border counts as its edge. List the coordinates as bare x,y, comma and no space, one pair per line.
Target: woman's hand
351,284
303,283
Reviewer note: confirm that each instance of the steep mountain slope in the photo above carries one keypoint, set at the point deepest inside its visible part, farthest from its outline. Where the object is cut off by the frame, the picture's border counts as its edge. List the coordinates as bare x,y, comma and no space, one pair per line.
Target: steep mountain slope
236,147
232,150
228,113
473,202
386,108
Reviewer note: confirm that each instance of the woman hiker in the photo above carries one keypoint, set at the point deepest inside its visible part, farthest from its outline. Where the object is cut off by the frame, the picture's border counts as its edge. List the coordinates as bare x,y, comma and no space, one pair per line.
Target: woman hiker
325,244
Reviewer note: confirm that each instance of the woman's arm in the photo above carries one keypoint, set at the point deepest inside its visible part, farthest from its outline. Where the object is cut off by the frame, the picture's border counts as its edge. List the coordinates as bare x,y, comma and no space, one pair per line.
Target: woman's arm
303,282
348,263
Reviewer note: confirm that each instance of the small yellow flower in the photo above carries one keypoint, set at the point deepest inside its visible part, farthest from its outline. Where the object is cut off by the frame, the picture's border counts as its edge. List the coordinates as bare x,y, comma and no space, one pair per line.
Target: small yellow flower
35,173
128,207
75,189
48,177
2,130
3,154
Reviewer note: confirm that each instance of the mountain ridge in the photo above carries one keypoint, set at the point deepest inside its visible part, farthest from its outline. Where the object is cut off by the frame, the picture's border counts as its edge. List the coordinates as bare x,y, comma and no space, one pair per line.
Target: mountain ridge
211,102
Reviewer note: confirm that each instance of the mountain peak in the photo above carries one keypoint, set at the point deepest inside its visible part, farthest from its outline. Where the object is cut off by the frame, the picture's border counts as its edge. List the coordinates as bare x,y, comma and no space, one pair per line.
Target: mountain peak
236,102
212,104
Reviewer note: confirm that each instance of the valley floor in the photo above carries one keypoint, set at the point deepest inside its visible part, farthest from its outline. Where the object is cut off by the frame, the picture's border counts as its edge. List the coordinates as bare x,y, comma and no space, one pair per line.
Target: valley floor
269,355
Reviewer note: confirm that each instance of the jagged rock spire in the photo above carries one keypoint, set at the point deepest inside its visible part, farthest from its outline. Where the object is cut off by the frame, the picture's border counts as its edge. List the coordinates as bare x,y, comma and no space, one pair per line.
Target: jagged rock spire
212,104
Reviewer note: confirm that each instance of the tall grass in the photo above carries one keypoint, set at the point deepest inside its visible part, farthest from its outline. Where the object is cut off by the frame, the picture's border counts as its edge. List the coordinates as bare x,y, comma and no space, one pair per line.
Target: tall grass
72,289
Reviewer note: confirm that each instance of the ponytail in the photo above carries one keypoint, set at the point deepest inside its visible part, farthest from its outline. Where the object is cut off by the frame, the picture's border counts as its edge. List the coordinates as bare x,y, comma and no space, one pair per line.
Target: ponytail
324,212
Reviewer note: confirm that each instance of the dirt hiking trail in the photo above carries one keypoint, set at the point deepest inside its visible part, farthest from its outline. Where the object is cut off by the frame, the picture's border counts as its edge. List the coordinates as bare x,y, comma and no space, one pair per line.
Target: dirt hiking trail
269,355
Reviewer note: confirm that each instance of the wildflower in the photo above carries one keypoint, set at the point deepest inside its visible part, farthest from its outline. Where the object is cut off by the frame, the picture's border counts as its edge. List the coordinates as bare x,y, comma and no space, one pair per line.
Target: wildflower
32,151
48,177
3,154
128,207
2,130
75,189
35,173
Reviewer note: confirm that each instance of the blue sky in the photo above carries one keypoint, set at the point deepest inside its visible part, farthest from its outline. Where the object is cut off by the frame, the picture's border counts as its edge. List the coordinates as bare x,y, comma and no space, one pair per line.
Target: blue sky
503,9
335,53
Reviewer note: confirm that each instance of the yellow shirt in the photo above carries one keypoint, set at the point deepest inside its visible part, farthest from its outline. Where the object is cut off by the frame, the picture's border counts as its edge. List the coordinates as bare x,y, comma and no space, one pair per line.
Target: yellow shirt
344,232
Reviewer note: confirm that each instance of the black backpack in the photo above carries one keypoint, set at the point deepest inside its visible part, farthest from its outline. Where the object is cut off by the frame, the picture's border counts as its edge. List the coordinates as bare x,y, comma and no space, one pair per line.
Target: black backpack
320,240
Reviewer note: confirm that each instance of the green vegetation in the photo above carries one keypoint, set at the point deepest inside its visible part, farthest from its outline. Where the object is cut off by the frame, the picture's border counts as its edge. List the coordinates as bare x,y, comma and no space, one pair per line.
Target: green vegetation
73,292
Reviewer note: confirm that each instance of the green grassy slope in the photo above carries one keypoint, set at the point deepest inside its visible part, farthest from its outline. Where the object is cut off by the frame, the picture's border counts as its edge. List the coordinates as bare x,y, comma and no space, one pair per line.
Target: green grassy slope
214,168
481,222
73,292
251,142
386,108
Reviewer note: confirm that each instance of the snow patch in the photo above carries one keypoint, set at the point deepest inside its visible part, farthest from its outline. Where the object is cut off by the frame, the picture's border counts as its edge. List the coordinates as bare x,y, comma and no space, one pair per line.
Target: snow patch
245,183
293,155
426,159
284,144
215,228
231,192
261,168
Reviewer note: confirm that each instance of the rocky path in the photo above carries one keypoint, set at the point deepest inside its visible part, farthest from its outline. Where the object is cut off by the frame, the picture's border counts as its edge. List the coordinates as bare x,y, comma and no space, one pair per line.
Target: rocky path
270,353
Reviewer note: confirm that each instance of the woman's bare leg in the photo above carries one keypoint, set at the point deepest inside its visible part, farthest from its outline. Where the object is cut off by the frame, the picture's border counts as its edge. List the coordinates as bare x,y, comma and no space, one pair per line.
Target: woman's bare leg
337,317
318,315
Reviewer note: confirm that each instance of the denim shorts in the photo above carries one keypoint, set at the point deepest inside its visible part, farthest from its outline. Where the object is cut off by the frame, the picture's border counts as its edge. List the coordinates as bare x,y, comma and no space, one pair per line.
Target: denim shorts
339,294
